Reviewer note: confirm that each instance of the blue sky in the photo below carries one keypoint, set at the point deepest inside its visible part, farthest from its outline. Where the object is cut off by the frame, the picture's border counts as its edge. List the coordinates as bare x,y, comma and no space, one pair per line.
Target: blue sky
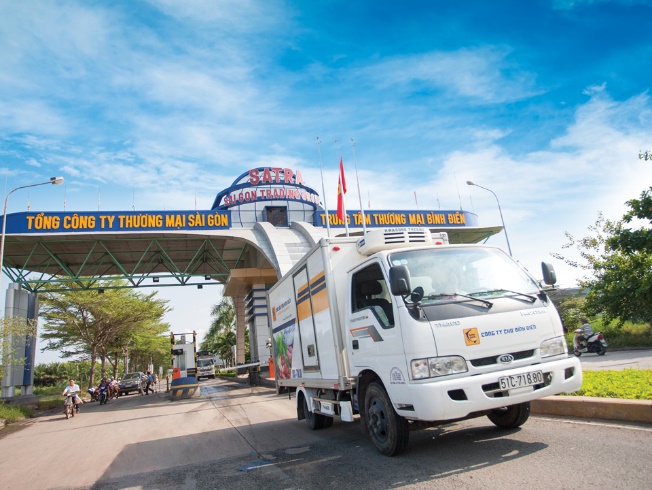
161,104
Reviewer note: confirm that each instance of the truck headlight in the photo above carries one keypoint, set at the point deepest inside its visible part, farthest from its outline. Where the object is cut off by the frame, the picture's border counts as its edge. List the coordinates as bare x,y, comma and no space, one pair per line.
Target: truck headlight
553,347
437,366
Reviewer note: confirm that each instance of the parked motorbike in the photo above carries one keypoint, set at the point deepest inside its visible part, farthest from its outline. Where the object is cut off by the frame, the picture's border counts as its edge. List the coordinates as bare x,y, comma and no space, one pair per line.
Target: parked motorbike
103,395
69,405
595,343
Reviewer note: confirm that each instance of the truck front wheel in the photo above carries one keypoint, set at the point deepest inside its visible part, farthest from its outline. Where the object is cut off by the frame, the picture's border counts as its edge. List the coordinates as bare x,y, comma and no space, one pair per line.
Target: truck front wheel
510,417
389,431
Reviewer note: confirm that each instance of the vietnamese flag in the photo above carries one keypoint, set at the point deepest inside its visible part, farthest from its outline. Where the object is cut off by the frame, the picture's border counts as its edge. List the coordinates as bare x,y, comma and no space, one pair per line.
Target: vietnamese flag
341,190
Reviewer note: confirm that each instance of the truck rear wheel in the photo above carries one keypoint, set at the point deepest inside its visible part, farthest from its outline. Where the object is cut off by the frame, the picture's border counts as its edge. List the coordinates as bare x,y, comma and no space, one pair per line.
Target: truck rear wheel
389,432
315,421
510,417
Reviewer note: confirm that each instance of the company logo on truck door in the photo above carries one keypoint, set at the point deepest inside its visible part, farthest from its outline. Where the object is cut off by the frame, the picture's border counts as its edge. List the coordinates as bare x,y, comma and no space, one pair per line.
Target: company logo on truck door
316,288
471,336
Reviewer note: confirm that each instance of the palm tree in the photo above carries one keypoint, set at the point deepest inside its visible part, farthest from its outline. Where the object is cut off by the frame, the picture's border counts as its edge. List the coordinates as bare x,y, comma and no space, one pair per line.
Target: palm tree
221,336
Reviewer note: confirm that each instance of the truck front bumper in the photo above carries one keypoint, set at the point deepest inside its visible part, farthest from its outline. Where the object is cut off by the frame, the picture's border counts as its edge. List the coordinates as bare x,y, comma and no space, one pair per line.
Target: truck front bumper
449,399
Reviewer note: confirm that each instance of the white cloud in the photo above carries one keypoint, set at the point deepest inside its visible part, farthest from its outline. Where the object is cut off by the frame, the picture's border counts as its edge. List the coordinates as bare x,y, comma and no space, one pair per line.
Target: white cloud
31,116
484,74
241,16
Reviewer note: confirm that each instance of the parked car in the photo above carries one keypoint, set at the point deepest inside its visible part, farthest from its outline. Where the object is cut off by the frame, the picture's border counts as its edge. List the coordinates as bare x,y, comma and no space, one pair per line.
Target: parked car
131,382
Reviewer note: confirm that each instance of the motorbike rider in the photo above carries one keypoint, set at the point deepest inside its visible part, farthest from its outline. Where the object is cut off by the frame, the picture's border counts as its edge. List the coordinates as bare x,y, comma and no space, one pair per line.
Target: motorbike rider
587,331
73,388
104,386
113,387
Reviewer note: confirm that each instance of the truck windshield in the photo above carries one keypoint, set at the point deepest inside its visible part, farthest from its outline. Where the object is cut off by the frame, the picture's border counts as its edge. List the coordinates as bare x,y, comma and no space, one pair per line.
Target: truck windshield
204,362
477,272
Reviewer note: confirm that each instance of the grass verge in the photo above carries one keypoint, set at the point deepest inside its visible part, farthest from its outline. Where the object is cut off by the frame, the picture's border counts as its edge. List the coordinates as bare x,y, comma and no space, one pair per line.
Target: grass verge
14,413
628,384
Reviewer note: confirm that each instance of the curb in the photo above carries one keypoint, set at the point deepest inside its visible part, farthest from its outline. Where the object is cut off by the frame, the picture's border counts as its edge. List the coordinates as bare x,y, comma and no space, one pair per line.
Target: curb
590,407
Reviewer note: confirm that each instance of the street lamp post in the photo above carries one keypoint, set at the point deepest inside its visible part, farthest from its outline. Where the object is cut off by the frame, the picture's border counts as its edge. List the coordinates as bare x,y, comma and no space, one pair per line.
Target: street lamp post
499,210
54,181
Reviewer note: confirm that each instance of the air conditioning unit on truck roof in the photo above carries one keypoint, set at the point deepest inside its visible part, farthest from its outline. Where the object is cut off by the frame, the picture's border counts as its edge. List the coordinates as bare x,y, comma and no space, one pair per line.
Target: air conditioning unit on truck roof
390,238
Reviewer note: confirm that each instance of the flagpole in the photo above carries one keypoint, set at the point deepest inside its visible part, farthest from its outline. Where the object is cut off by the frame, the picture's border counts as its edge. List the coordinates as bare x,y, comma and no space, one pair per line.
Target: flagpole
342,190
323,190
355,162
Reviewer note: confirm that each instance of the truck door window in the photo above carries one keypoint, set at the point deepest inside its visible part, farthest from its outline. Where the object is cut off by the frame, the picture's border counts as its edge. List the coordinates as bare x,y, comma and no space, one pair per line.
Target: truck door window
369,290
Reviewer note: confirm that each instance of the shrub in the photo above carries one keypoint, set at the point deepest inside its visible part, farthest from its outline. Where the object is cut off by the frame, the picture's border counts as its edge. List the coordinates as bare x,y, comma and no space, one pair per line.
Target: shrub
629,384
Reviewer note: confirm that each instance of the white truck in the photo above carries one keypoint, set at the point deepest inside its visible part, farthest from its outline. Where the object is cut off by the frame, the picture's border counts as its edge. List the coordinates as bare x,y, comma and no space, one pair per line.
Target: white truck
409,331
205,366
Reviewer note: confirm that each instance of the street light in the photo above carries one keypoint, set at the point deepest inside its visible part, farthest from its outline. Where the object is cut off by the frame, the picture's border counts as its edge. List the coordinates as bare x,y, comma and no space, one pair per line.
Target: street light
53,181
468,182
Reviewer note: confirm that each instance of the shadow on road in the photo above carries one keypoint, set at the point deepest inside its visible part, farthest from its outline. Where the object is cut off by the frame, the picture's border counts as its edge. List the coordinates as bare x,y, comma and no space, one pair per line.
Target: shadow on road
341,458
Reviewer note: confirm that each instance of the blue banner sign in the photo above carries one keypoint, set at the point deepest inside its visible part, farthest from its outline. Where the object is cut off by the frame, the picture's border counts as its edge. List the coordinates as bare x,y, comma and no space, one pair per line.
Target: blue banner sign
381,219
112,221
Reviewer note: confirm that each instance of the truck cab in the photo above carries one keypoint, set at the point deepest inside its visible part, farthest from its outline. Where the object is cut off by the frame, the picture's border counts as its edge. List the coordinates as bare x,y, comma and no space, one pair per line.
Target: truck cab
205,367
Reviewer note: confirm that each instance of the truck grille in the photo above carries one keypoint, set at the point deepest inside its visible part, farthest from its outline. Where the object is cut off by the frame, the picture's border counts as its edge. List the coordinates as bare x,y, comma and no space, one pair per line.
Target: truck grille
491,360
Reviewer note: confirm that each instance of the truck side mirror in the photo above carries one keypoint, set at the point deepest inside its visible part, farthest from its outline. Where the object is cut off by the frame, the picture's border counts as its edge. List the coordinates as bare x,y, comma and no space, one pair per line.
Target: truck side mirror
549,276
399,280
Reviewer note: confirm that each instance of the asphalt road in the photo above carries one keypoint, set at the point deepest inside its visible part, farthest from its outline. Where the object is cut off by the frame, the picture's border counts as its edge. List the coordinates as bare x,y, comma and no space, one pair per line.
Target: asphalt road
618,359
236,436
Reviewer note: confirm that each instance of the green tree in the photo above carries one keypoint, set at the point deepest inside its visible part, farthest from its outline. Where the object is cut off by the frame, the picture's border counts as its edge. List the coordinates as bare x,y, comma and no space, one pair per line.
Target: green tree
58,373
570,304
91,325
633,241
619,284
14,331
221,336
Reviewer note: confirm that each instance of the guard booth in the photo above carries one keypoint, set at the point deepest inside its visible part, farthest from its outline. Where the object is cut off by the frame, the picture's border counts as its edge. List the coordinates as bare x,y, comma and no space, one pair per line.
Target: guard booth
184,355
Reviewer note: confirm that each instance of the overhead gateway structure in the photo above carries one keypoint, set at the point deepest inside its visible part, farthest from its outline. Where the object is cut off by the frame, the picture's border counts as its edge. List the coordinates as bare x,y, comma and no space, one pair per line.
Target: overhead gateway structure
256,230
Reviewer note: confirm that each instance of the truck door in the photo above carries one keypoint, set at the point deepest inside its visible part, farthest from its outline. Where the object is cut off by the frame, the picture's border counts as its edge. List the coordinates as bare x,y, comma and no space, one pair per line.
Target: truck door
305,320
373,335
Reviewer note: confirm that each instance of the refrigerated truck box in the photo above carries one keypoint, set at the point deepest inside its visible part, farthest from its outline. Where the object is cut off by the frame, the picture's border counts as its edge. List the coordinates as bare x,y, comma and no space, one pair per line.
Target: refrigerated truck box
408,331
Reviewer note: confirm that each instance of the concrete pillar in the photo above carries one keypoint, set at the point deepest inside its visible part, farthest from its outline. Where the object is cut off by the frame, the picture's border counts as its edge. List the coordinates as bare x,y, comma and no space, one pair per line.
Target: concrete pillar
24,305
241,324
256,311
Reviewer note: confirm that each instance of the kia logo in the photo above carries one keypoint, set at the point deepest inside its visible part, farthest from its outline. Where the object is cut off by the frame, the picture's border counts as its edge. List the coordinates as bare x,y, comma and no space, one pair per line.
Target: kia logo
506,358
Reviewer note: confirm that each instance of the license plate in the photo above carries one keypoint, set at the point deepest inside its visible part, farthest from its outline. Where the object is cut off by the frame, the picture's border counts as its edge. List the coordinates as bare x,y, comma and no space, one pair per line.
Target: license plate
520,380
327,407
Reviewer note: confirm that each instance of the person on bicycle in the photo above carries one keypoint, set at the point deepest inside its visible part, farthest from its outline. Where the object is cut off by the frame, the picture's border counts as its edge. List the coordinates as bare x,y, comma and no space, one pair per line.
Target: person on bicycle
73,388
